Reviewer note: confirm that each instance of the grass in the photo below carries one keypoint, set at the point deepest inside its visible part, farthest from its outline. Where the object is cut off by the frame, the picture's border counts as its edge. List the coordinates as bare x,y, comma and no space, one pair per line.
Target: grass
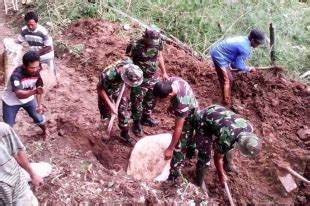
200,23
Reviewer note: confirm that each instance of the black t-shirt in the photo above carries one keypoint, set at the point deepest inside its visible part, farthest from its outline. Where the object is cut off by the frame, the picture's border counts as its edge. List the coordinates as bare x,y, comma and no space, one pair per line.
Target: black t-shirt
20,80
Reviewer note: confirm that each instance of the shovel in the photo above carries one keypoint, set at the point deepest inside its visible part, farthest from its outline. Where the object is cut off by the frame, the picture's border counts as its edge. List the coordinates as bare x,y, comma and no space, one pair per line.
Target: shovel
231,202
110,125
274,67
286,179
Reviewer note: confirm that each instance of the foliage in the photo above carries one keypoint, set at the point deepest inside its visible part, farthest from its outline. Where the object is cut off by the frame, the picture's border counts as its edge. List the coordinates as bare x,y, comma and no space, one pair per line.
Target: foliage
200,23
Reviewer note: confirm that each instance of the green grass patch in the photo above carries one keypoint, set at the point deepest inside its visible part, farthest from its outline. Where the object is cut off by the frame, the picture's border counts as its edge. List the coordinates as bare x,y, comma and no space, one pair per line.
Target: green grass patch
200,23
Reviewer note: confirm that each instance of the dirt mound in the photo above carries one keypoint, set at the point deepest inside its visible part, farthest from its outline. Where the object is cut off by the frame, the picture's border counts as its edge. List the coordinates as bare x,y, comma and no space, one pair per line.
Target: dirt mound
274,104
278,108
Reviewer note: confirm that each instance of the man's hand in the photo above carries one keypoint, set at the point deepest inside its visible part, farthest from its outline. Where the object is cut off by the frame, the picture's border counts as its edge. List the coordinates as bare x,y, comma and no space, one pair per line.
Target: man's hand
36,180
252,69
165,76
39,90
168,153
39,108
223,178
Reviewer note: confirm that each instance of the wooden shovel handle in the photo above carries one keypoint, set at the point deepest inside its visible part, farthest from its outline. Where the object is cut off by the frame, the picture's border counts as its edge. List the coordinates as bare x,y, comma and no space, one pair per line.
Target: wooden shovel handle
118,101
296,174
231,202
266,67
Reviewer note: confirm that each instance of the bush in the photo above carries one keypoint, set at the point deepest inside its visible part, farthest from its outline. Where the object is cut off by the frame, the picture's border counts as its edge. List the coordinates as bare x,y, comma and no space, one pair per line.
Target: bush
200,23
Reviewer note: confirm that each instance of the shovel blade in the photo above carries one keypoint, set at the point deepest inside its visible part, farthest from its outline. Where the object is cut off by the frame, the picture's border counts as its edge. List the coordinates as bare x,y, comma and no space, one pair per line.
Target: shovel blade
288,182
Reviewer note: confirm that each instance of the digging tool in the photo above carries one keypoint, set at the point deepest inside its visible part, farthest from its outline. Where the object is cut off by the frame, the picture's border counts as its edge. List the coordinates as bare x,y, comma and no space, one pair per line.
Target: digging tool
275,67
287,167
116,106
296,174
231,202
285,176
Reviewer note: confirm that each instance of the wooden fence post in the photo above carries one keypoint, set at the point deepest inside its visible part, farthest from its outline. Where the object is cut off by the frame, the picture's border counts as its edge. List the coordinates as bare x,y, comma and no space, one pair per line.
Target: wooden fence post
272,44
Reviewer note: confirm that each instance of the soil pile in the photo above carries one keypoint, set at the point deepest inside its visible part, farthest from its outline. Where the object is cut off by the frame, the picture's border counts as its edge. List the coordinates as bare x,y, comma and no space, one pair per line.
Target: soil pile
278,108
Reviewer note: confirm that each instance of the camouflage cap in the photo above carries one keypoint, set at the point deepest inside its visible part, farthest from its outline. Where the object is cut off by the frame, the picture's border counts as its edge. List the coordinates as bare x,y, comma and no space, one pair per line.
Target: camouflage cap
132,75
249,143
152,35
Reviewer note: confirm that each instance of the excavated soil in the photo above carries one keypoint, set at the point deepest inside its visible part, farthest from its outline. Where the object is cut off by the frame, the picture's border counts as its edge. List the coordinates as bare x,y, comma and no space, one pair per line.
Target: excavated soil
277,106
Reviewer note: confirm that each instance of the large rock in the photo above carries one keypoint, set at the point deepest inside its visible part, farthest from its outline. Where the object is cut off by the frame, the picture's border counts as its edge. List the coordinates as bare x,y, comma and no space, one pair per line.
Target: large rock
43,169
147,158
48,77
12,57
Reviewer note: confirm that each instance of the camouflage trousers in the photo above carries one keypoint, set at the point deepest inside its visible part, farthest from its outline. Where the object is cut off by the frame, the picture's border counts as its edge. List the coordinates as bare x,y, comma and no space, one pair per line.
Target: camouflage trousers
188,142
123,109
142,99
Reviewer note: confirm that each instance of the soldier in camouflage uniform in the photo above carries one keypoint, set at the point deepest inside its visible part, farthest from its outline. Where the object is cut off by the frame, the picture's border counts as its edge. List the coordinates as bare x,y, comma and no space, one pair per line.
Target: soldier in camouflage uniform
184,105
109,86
147,54
230,130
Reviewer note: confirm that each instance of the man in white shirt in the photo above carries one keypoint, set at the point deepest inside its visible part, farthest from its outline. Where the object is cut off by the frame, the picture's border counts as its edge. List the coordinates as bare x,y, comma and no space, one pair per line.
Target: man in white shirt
38,39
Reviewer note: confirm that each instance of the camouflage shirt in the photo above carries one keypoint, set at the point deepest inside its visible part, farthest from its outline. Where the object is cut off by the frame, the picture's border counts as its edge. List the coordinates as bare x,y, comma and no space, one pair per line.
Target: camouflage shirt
110,80
224,124
144,56
184,101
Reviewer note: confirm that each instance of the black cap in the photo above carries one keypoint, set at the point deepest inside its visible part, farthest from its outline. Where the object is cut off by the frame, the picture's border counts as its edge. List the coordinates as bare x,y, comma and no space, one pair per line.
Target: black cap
258,35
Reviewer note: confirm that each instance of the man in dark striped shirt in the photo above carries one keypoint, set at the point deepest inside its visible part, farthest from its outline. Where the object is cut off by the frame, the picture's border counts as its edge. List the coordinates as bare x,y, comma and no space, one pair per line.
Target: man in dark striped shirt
38,39
14,189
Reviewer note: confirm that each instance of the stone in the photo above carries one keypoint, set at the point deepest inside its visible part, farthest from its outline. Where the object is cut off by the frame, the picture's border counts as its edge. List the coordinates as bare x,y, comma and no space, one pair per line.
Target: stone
43,169
304,134
48,77
147,158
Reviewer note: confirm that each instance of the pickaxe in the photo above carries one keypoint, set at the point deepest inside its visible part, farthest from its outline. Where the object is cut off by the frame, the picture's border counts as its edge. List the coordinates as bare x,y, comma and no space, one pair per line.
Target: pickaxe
113,116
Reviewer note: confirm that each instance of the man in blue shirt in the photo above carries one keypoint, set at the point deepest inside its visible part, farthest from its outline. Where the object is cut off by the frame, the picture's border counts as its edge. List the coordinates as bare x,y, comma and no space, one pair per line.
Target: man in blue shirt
232,53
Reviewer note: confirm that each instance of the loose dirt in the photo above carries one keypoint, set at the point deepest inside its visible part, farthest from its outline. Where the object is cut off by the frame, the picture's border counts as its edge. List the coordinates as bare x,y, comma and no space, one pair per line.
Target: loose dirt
277,106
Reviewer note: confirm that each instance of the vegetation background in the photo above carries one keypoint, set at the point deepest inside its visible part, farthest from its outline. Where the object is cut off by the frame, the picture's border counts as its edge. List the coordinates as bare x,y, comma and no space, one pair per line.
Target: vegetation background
200,23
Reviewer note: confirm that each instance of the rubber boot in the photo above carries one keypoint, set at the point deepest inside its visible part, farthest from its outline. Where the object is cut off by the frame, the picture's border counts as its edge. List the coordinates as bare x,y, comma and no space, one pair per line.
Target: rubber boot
126,138
229,165
173,175
200,174
147,120
137,129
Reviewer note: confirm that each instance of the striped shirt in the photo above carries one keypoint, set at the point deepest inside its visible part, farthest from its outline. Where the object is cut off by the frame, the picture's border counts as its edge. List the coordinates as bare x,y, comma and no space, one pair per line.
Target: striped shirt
13,182
37,39
20,80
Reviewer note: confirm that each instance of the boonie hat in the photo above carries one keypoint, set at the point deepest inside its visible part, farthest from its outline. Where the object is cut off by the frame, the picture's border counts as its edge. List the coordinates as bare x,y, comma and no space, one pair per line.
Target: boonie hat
249,144
132,75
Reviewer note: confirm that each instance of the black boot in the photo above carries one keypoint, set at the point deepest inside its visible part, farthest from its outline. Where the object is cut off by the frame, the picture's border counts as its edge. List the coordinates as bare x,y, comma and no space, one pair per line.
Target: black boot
126,138
147,120
137,129
200,174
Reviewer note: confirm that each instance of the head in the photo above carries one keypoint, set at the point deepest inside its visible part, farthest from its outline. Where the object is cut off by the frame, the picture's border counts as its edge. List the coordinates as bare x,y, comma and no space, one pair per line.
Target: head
131,74
256,38
151,35
31,19
162,89
249,144
31,62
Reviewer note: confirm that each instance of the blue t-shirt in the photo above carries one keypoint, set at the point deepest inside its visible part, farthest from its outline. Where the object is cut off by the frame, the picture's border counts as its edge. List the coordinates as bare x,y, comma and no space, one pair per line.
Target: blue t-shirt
234,51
